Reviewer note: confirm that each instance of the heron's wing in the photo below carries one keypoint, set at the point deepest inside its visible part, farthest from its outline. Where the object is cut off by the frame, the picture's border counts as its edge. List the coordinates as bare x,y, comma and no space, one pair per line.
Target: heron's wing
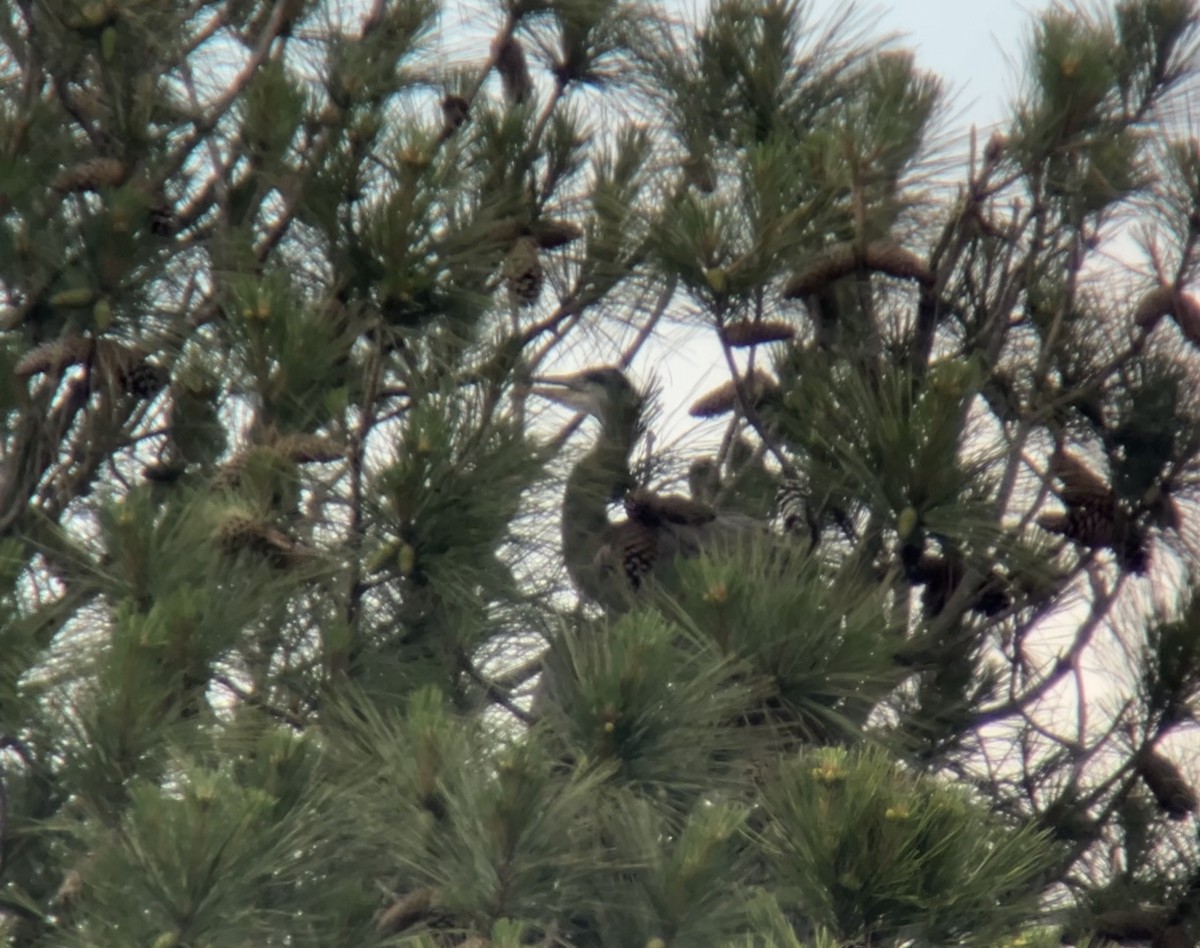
639,551
637,554
1081,486
655,510
721,533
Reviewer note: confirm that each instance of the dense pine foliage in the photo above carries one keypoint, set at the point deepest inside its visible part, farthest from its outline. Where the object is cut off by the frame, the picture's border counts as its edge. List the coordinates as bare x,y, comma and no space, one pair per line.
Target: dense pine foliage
279,560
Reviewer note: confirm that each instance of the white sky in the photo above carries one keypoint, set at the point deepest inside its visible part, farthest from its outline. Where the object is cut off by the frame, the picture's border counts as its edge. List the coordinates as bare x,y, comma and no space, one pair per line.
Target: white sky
975,47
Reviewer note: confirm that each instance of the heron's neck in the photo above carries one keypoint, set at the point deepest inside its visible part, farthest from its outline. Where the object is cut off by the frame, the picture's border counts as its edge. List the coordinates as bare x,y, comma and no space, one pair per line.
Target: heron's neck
597,479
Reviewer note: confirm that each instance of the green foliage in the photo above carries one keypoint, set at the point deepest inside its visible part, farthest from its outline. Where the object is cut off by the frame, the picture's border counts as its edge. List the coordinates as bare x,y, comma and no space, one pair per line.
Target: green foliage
295,352
272,108
491,830
685,889
870,851
603,701
890,443
451,494
1171,669
286,653
205,858
817,648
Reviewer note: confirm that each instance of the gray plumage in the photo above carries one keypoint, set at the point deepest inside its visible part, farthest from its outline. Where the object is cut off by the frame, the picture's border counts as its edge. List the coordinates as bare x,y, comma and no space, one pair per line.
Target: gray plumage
615,563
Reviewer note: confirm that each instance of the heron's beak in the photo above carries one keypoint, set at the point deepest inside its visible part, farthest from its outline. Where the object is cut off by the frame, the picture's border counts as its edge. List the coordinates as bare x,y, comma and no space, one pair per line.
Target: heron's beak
564,389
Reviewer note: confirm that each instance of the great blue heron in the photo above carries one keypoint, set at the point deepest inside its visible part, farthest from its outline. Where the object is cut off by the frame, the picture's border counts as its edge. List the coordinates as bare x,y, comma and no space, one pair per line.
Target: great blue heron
609,562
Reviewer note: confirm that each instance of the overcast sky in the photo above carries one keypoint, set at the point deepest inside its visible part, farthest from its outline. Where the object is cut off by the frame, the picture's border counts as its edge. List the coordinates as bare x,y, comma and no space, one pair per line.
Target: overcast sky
975,47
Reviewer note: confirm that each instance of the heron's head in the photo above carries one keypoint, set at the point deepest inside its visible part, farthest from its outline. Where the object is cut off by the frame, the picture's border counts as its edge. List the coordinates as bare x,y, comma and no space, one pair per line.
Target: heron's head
604,393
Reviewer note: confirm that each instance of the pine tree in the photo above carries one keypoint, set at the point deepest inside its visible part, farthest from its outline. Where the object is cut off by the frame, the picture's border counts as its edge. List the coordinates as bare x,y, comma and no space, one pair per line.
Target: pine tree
287,653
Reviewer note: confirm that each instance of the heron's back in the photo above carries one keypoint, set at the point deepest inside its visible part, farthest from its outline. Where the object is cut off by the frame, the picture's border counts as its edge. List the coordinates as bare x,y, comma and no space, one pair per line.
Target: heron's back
638,556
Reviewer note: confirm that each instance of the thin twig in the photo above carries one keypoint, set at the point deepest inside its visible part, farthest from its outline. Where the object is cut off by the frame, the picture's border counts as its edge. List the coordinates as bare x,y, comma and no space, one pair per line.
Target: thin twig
256,701
495,693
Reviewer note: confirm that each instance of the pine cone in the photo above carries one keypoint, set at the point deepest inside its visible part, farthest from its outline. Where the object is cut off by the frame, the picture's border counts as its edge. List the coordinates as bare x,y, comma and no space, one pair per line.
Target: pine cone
53,357
256,460
244,532
723,399
1097,527
1069,821
1173,793
840,260
634,551
1153,306
455,112
994,150
406,911
115,364
125,368
551,234
699,173
523,272
309,448
1094,517
145,379
514,71
790,508
164,472
91,175
1080,484
942,575
164,222
749,332
229,475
